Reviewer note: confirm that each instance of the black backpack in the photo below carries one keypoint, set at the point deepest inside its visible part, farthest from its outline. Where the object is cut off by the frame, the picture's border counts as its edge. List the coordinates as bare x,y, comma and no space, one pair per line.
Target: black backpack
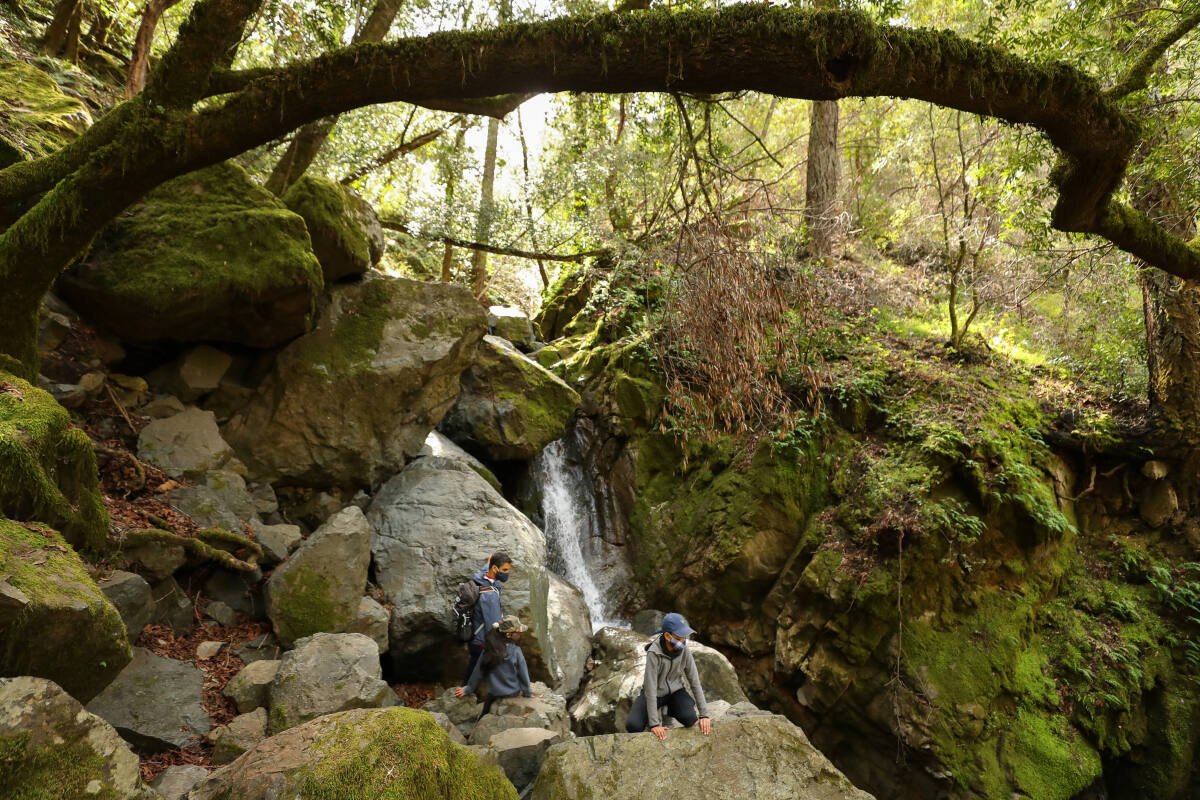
465,600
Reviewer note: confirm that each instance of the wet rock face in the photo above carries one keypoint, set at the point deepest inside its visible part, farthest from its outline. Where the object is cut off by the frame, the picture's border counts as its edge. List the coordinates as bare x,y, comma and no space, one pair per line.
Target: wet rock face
763,757
51,748
347,405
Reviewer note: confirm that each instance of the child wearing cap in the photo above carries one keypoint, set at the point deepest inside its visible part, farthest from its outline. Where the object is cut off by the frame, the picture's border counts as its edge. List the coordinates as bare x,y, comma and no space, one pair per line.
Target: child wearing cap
503,662
670,672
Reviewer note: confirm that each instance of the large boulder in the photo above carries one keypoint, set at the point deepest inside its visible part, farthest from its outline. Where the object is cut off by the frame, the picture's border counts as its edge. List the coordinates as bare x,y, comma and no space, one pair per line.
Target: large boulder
327,672
130,595
349,403
512,324
207,257
51,749
47,466
511,406
437,444
155,702
364,753
54,621
764,757
546,710
616,680
345,230
435,524
568,626
36,118
174,783
319,588
521,751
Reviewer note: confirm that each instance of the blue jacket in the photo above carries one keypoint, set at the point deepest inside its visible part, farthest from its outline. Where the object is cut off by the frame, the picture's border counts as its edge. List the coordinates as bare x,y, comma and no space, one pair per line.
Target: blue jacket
487,611
508,678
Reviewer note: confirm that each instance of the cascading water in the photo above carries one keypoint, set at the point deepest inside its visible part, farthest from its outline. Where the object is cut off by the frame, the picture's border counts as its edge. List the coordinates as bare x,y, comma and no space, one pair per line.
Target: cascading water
572,527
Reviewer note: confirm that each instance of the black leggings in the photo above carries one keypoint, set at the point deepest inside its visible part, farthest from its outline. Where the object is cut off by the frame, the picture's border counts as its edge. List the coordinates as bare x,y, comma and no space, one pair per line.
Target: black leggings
678,704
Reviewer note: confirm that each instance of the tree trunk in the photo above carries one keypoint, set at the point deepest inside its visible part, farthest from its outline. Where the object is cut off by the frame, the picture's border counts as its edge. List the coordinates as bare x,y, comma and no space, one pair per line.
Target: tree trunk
308,141
55,41
483,226
821,190
139,61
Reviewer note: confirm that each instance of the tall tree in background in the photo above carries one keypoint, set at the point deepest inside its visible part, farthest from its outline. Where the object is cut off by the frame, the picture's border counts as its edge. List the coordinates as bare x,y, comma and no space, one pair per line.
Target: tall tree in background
139,62
823,174
487,210
308,141
62,36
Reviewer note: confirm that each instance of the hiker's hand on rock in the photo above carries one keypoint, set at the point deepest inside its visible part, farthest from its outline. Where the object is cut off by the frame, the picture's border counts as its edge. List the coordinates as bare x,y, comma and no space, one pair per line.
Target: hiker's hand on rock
459,691
660,732
705,725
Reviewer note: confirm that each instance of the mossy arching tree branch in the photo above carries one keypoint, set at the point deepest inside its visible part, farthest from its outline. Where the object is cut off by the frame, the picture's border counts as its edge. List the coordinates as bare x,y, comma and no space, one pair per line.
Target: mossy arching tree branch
1139,73
816,55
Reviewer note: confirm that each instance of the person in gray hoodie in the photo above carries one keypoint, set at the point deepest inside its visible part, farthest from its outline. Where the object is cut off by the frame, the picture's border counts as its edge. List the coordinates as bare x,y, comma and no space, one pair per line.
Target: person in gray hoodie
503,662
669,666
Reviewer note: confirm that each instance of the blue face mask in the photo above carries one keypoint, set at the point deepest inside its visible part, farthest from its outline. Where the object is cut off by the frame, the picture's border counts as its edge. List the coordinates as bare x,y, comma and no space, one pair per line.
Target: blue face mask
502,577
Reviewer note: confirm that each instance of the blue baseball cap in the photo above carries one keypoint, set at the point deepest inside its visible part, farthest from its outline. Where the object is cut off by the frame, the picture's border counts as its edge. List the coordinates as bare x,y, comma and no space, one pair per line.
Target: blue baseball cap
676,625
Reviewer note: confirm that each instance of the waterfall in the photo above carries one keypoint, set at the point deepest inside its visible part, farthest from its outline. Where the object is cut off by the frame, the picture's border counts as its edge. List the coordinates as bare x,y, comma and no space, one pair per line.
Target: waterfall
572,527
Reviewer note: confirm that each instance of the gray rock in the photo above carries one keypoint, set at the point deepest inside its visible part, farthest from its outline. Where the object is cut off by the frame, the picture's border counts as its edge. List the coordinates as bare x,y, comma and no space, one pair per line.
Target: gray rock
163,406
130,594
766,758
449,727
39,723
568,626
616,680
173,607
648,622
319,588
510,406
351,402
207,650
240,591
521,752
220,613
155,702
265,501
187,444
435,524
436,444
241,734
251,687
327,672
156,560
68,395
262,648
371,620
174,783
512,324
462,712
395,747
545,710
278,541
199,371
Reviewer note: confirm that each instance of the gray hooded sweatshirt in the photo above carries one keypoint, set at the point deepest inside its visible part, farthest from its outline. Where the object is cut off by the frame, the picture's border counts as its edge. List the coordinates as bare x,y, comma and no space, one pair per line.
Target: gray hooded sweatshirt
665,675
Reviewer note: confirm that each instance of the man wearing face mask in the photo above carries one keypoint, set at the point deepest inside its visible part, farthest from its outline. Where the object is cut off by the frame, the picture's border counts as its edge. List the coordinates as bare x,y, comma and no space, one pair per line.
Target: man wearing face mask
669,665
487,612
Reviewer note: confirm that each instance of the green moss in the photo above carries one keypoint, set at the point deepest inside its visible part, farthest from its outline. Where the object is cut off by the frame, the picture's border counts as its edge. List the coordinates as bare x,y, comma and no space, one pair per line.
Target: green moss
398,754
207,256
338,238
68,631
1048,759
51,772
347,346
303,605
36,118
47,467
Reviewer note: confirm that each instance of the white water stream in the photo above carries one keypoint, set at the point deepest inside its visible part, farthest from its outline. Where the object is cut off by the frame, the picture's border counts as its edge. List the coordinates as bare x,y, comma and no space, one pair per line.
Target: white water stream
572,525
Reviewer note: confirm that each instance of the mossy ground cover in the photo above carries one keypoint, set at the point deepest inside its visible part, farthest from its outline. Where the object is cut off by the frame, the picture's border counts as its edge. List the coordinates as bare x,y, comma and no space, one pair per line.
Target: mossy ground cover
36,117
58,772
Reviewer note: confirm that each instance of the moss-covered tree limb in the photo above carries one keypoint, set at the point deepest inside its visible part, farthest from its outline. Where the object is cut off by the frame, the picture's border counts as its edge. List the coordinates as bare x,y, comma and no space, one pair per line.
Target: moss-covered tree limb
1139,73
207,545
816,55
515,252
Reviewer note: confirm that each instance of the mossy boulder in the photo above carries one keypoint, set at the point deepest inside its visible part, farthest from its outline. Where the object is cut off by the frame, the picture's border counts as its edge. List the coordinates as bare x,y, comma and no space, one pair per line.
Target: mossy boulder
381,754
207,257
52,749
36,118
47,466
319,587
345,231
350,402
563,301
54,621
510,406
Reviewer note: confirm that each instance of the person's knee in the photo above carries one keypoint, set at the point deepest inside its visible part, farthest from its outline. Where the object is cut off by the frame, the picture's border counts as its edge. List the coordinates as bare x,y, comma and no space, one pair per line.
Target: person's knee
688,718
632,726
